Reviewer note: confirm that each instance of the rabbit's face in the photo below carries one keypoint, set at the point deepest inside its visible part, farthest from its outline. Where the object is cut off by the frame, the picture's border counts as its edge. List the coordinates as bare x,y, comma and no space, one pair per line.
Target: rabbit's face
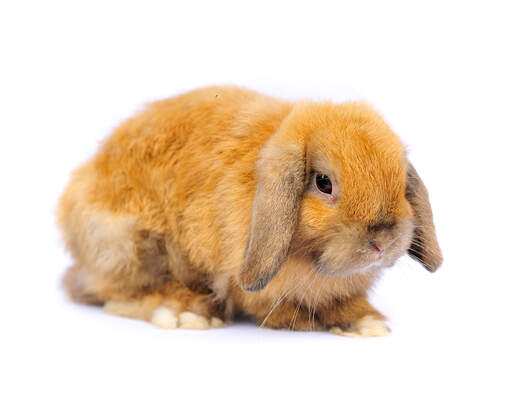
354,215
335,188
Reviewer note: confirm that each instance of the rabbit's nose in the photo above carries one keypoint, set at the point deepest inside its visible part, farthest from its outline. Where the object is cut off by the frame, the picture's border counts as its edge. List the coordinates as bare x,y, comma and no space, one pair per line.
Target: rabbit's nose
379,246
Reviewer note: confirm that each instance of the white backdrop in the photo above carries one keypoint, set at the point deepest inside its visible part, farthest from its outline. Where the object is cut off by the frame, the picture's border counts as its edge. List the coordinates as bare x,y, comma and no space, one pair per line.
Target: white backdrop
440,72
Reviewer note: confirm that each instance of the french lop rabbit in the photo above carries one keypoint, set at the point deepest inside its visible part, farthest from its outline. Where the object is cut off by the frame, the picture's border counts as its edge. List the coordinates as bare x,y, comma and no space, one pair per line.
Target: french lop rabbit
223,202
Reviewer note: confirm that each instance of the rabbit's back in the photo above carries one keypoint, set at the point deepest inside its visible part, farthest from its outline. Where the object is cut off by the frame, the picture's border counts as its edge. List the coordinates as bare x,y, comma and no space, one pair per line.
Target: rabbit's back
182,168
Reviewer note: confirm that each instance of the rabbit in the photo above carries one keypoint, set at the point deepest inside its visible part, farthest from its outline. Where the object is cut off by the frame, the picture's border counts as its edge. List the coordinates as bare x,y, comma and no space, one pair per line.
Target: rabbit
222,202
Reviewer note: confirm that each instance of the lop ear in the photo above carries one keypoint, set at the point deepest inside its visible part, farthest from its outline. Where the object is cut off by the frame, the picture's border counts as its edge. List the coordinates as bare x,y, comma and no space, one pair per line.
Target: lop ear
424,247
281,174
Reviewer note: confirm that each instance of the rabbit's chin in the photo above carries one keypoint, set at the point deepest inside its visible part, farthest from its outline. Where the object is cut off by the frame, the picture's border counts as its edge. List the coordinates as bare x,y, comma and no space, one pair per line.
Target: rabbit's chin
368,268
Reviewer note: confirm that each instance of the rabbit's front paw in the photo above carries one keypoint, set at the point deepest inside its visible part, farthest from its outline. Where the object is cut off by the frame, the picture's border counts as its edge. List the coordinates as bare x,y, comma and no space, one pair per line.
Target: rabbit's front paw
368,326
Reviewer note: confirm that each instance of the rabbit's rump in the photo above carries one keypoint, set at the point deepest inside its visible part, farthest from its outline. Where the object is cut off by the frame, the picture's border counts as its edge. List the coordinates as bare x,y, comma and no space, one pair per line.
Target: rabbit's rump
126,269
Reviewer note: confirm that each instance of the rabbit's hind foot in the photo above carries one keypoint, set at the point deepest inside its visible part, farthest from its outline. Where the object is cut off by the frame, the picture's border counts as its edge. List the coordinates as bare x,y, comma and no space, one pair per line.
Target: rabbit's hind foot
178,308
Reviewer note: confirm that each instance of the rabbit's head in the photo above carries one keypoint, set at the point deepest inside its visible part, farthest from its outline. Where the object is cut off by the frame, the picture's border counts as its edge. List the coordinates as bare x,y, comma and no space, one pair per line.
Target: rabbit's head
334,186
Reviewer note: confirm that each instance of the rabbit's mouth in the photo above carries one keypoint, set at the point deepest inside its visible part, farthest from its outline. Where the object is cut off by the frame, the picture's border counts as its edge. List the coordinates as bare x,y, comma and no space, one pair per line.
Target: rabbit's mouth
344,255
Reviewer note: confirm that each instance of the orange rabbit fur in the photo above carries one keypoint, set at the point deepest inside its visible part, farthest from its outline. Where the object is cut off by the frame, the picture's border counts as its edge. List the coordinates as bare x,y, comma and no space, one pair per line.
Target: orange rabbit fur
207,205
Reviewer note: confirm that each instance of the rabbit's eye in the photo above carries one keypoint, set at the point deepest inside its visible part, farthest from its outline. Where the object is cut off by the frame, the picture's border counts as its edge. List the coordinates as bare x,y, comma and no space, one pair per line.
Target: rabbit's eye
323,183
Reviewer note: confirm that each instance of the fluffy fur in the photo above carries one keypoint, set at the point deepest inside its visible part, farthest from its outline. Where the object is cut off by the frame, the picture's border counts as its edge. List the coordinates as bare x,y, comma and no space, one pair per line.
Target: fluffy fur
204,206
